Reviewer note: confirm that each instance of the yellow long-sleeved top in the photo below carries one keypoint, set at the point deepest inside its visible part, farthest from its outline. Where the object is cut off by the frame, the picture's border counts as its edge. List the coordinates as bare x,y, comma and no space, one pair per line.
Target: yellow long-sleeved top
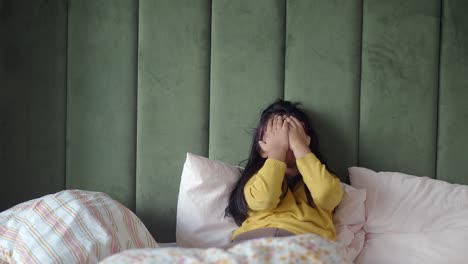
292,212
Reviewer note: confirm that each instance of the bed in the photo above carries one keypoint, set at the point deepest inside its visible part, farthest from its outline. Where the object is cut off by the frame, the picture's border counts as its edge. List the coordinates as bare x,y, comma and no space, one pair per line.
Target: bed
116,95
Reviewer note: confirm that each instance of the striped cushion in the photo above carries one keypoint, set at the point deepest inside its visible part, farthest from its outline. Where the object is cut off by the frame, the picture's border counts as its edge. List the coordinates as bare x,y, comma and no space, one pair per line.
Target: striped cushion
71,226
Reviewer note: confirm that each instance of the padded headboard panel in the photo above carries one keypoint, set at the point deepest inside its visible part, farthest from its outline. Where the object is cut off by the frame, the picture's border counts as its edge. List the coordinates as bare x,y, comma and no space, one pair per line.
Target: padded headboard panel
110,95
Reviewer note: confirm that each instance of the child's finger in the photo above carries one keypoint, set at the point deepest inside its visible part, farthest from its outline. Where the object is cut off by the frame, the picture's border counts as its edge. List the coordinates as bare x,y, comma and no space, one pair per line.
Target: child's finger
280,122
275,122
270,124
285,124
296,121
291,123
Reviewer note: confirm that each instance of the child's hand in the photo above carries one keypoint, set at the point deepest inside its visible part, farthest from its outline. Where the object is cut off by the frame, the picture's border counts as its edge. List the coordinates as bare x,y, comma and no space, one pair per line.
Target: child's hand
298,140
275,142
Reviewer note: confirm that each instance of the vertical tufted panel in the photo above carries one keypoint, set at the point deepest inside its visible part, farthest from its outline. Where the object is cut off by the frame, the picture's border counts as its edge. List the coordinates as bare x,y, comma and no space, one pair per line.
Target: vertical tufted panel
32,102
323,55
3,95
247,71
399,85
453,100
2,65
173,103
102,81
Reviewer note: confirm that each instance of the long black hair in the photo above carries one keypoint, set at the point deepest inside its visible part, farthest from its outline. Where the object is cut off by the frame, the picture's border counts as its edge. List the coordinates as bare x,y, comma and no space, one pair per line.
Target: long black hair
237,207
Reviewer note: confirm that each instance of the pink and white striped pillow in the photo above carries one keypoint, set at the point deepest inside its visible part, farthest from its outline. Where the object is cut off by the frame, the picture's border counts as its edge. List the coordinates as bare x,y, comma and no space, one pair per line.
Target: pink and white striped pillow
70,226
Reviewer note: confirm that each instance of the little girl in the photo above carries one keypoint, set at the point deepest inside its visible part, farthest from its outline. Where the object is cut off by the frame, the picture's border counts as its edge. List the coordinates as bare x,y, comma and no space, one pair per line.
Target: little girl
284,189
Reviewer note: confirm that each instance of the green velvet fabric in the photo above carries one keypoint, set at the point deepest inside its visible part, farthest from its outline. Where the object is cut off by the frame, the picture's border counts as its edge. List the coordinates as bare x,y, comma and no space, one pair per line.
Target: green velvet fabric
173,104
452,154
32,102
2,58
101,101
110,95
400,55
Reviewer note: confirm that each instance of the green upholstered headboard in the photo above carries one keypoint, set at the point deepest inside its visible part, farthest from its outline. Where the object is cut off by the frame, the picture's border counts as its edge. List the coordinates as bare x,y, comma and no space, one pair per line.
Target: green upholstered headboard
110,95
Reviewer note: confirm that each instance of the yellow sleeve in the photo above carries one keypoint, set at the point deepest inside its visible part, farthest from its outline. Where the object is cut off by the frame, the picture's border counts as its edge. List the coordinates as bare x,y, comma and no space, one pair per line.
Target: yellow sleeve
263,190
324,187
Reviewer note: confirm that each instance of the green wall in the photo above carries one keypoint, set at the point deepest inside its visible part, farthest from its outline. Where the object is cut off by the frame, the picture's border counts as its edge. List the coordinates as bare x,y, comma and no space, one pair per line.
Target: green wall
110,95
33,99
101,97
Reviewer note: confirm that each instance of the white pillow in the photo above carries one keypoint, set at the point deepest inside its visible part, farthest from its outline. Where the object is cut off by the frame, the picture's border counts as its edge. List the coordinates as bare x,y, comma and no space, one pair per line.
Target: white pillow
349,218
70,226
413,208
398,202
205,187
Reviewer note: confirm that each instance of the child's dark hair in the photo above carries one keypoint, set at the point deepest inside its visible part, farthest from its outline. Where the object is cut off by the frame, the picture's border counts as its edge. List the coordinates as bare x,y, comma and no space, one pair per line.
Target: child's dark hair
237,207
